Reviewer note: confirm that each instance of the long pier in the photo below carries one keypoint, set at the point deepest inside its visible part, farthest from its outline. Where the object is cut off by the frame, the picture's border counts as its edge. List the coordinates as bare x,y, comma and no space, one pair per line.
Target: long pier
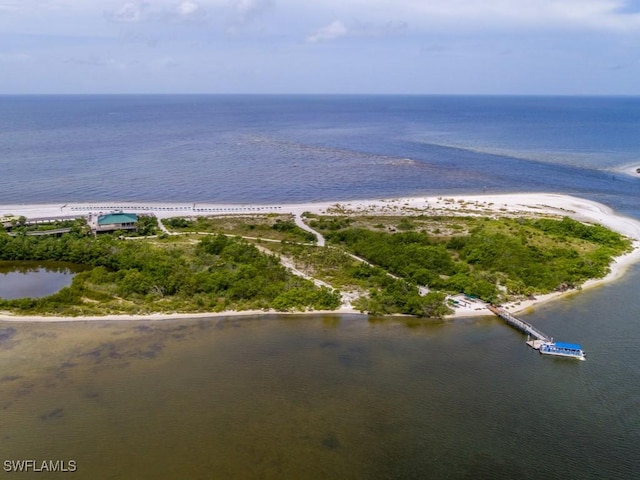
541,341
521,325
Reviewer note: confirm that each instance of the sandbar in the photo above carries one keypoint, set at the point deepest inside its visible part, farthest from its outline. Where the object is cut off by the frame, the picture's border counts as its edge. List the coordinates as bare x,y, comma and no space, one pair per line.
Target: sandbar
633,170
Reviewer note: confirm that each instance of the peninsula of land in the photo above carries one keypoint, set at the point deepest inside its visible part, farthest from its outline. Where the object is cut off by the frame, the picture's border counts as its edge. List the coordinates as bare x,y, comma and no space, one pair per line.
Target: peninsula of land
337,221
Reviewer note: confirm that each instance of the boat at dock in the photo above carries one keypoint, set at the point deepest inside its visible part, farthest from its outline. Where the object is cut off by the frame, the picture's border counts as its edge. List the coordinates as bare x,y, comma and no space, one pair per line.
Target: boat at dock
562,349
541,341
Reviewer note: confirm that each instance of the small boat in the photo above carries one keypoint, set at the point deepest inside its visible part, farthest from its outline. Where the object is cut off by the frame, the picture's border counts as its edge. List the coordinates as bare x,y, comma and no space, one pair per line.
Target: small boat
562,349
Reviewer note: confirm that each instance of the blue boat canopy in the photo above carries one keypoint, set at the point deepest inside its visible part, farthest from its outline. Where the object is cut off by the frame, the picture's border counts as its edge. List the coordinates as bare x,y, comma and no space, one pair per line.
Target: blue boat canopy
570,346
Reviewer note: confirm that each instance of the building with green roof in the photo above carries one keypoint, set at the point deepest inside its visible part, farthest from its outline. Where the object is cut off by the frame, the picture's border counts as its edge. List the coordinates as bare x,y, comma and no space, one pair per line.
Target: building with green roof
116,221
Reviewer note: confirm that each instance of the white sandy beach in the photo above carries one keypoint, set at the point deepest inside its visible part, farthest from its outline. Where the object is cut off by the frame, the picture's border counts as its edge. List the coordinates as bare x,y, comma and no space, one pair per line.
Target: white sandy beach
519,204
162,316
631,170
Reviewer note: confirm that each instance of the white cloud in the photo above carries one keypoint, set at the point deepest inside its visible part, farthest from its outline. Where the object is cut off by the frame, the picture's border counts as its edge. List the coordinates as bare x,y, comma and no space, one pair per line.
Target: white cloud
188,11
423,15
335,29
433,43
188,8
487,14
130,12
233,11
247,9
601,14
604,14
338,29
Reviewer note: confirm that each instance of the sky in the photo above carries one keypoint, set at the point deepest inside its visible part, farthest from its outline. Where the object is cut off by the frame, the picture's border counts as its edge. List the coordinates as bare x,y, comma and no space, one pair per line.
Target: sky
496,47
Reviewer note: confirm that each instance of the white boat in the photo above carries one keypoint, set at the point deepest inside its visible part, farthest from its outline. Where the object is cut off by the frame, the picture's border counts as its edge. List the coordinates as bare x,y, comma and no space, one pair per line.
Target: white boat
562,349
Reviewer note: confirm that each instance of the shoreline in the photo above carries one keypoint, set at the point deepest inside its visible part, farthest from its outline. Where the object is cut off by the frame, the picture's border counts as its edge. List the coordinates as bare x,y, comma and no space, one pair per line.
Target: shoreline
155,317
518,204
632,170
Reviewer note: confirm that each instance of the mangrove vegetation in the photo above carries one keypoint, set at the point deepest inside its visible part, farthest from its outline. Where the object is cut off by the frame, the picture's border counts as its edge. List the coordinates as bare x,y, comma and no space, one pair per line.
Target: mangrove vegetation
378,264
493,259
177,274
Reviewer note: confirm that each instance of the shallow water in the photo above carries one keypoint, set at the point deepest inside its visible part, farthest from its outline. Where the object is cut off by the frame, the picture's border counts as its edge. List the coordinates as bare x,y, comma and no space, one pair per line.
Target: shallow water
288,149
327,396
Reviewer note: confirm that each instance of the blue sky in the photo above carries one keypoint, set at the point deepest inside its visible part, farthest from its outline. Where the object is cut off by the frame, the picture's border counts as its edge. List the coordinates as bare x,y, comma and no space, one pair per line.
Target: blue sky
566,47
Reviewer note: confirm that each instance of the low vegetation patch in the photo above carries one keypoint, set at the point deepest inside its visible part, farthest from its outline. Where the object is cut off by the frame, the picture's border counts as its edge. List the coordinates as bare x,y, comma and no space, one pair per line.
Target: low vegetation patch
271,226
493,259
214,274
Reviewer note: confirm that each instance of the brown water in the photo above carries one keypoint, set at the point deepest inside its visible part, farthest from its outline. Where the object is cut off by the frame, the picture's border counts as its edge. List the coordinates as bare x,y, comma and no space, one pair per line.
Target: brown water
316,397
180,399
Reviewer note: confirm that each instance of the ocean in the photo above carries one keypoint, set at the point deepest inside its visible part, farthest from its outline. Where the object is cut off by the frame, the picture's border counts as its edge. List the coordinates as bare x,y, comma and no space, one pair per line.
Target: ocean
326,396
302,148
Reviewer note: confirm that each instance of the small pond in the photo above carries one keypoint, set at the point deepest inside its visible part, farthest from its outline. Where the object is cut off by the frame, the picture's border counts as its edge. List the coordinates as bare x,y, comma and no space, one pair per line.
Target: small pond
35,279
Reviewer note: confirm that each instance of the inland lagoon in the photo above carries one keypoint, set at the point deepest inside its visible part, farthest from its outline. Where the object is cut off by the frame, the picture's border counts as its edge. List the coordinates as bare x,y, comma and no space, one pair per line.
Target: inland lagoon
21,279
328,396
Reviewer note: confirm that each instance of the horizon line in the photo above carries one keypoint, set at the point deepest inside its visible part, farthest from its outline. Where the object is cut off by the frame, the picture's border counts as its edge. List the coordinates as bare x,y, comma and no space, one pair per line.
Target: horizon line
311,94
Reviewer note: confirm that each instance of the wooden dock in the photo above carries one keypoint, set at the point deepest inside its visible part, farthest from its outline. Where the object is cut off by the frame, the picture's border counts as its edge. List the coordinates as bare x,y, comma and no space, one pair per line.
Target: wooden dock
540,341
521,325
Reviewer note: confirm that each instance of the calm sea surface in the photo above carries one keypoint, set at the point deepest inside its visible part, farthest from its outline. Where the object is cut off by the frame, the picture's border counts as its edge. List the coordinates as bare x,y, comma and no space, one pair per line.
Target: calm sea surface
323,396
290,149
